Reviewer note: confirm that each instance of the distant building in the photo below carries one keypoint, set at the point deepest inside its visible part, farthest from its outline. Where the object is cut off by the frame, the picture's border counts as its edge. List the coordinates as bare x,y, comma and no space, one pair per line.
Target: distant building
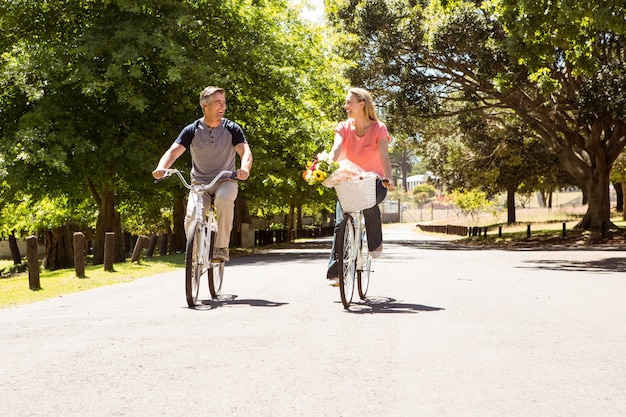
414,180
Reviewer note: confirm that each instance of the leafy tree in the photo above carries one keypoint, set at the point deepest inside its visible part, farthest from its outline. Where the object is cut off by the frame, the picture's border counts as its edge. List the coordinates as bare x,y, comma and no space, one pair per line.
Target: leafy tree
558,65
471,203
422,193
50,220
507,158
93,93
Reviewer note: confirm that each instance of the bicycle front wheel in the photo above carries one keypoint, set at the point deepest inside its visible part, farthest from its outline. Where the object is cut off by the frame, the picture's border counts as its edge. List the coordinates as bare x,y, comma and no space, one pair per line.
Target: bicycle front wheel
347,260
363,274
193,268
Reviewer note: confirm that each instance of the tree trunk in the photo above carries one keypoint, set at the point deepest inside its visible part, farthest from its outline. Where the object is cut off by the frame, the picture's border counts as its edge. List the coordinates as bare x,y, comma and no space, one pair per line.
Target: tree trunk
291,227
589,159
178,218
299,217
405,168
242,215
618,186
550,194
15,250
510,206
623,189
596,188
541,198
59,250
108,221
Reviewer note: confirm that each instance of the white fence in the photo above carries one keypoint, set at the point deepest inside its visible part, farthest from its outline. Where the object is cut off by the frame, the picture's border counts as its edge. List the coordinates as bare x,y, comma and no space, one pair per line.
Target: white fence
5,250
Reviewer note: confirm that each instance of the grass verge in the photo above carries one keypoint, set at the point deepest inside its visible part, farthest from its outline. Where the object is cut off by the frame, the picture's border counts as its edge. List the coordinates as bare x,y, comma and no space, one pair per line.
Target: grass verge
15,291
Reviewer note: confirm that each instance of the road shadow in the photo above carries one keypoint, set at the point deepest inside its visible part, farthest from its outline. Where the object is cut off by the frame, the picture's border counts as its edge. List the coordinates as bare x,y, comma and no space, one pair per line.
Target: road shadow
298,253
318,249
606,265
376,305
231,300
519,247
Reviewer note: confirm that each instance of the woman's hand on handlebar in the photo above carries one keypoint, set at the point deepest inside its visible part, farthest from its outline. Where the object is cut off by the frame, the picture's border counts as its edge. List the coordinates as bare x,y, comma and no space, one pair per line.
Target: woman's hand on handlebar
388,184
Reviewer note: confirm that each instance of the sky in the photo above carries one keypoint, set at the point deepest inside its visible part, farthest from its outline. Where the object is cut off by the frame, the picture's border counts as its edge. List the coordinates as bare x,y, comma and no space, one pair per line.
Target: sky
315,12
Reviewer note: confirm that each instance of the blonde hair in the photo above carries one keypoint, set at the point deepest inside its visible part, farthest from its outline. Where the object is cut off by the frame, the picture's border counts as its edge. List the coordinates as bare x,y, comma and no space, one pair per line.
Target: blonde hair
205,95
363,95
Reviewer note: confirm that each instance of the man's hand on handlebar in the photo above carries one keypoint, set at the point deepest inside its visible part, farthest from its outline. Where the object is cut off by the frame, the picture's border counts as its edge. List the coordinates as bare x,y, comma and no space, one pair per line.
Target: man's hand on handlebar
242,174
158,173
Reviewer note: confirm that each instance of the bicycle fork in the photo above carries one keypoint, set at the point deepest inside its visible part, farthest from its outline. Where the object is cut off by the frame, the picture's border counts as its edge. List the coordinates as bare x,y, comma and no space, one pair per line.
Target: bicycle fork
362,245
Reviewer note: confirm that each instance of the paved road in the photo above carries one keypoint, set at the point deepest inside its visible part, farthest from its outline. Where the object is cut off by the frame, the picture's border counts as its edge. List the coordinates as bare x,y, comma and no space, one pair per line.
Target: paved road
446,331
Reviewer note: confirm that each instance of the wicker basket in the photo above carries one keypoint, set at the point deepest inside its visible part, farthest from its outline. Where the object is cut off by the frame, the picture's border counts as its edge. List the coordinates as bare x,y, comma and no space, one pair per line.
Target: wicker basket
357,195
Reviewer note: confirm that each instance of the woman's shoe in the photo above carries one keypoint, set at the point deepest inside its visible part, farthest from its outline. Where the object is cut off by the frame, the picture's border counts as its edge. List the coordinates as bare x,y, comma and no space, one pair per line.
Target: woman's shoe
333,282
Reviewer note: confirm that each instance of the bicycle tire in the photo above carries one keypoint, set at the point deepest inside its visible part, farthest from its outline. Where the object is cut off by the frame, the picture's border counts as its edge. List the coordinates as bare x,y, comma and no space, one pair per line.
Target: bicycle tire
363,274
346,261
216,270
216,277
192,268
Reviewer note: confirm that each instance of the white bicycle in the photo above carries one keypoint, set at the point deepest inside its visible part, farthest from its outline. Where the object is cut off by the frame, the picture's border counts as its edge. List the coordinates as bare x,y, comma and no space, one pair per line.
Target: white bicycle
353,256
200,241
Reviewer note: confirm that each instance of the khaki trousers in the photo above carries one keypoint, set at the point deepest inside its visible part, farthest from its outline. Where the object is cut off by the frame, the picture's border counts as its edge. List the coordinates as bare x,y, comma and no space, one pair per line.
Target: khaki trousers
225,193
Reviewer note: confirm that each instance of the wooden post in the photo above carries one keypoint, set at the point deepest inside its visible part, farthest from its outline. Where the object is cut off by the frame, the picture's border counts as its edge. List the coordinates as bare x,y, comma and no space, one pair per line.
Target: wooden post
32,255
528,232
564,233
152,246
500,231
141,243
109,250
80,249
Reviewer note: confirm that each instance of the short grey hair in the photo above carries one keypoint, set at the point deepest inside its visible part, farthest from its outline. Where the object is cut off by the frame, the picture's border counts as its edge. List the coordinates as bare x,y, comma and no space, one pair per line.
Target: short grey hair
206,94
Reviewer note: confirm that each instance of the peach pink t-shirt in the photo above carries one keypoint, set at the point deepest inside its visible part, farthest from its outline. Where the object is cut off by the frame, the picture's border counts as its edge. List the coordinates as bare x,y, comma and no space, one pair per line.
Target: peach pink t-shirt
363,151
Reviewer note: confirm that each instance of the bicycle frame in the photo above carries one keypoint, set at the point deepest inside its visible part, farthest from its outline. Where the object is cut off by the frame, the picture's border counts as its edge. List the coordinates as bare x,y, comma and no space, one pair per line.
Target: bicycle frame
359,230
353,257
205,225
199,244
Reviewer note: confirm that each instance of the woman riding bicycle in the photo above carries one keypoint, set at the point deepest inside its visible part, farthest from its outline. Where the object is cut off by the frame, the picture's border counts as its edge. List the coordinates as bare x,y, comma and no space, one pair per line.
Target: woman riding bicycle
363,140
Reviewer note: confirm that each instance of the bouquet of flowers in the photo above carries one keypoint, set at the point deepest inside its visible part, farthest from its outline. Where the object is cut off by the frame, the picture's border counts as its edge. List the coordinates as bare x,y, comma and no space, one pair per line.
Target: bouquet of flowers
320,169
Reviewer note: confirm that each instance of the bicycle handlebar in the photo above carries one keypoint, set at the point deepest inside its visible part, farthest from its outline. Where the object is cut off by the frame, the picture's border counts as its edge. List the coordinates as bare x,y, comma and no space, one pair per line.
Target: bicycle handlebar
225,173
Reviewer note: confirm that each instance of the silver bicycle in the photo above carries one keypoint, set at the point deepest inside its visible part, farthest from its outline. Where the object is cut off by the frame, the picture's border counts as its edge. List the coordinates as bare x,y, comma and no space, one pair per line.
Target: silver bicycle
200,241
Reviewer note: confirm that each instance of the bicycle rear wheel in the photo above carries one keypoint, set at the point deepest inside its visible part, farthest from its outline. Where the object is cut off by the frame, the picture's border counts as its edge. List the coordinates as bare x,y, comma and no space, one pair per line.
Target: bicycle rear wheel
216,277
363,274
346,261
193,267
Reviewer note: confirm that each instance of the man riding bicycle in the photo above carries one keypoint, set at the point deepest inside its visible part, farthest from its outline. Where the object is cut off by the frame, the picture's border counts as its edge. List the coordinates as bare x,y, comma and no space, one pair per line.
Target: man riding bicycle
213,142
